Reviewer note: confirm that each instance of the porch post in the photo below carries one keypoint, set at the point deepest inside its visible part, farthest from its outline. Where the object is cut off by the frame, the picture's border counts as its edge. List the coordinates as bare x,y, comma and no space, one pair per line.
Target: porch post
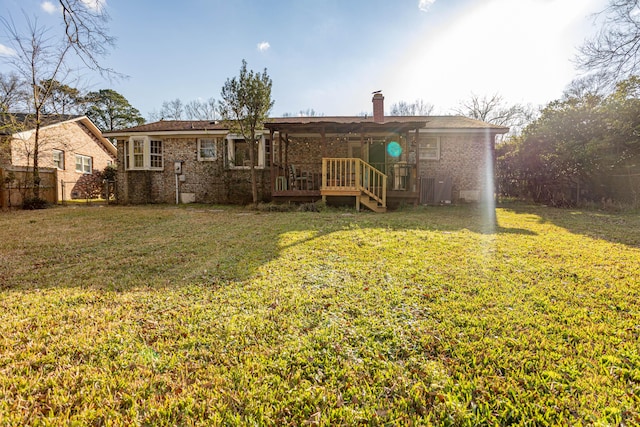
323,178
417,142
272,172
279,150
286,152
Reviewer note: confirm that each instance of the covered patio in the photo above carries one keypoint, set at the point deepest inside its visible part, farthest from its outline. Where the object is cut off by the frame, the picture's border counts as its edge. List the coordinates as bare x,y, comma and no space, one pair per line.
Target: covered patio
320,157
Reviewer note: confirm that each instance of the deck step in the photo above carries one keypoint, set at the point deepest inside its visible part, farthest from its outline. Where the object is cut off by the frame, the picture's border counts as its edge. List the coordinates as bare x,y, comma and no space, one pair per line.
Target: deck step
372,204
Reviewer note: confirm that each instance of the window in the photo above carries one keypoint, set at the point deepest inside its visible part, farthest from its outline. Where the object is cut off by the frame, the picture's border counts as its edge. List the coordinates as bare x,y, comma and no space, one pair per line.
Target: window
143,153
83,164
155,154
429,148
238,152
138,153
58,159
207,149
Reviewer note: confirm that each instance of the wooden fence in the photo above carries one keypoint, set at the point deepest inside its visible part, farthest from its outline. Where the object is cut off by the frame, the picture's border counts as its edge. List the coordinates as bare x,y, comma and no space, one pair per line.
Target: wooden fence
16,183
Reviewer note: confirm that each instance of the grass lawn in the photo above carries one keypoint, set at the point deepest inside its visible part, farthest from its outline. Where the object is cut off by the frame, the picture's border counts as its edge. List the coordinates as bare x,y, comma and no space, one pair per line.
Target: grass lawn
222,316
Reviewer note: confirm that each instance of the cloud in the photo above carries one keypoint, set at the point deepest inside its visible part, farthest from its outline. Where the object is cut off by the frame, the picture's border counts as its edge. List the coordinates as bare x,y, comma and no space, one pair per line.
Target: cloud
6,50
424,5
95,5
49,7
263,46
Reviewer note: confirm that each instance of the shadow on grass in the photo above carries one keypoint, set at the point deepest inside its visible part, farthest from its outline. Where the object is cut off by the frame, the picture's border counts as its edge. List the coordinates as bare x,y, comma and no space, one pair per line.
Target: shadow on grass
614,227
123,248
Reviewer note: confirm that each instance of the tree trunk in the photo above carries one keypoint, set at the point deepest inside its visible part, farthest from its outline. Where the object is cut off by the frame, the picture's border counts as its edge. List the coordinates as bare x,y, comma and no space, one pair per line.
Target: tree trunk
254,181
36,169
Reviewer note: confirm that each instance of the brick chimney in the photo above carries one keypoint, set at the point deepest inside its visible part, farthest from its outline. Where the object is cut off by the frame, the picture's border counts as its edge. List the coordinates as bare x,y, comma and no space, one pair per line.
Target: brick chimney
378,107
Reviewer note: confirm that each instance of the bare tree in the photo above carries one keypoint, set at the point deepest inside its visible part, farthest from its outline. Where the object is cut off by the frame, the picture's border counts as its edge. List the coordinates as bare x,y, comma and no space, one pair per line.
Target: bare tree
615,50
172,110
201,110
87,32
417,108
13,95
493,109
38,58
594,85
309,112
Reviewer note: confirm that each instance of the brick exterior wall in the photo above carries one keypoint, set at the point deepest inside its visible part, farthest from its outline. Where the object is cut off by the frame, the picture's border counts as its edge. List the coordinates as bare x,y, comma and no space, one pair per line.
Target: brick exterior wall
465,158
72,138
206,181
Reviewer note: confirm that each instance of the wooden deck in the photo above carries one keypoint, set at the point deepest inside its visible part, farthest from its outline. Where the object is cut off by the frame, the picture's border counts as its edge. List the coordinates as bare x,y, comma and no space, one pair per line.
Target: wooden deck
343,178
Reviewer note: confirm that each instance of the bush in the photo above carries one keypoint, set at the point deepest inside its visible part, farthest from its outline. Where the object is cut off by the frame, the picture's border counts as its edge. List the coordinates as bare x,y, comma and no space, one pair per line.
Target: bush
31,203
275,207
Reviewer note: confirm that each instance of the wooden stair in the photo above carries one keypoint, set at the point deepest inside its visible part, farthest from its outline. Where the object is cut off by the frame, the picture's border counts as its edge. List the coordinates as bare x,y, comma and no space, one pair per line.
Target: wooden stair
354,177
371,204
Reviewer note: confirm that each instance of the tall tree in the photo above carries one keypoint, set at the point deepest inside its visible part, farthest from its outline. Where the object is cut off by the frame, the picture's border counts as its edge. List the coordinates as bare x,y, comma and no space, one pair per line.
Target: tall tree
63,99
614,52
584,147
110,111
246,102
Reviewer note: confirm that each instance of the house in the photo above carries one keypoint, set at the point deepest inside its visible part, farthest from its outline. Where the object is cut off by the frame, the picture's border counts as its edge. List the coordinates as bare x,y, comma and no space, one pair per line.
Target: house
72,145
375,161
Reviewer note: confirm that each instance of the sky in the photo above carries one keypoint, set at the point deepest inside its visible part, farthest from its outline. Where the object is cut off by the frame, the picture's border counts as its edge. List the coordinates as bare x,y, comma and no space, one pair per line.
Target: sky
330,55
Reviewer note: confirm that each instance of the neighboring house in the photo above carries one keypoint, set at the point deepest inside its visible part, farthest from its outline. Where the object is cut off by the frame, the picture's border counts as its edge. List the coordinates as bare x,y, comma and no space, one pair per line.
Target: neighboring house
377,161
72,145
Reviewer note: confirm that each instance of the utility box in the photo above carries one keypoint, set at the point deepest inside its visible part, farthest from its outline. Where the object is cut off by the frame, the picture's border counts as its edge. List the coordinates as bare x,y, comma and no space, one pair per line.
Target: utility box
435,191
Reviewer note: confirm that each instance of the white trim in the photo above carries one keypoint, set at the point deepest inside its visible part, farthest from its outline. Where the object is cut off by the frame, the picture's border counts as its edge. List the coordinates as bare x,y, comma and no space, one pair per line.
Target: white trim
82,159
461,130
146,153
55,151
162,133
231,152
199,150
438,149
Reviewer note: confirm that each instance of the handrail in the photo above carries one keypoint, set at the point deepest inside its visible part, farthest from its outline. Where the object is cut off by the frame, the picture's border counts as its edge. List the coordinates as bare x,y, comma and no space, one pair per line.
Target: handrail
354,174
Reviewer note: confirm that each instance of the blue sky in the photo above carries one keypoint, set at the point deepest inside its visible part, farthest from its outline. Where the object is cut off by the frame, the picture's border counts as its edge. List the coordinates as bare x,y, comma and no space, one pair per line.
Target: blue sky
329,55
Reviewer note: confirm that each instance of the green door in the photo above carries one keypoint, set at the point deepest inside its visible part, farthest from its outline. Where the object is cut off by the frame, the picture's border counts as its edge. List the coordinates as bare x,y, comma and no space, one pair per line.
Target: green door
377,156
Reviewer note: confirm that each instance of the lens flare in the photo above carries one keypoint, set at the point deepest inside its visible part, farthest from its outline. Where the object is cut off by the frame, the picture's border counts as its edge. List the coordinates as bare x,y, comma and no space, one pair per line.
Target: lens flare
394,149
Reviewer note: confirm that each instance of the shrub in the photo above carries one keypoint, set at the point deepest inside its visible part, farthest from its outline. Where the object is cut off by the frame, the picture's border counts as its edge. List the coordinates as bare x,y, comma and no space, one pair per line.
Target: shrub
31,203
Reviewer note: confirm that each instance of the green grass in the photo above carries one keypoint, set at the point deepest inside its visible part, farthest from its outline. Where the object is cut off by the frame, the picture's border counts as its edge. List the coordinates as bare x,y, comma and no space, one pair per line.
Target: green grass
222,316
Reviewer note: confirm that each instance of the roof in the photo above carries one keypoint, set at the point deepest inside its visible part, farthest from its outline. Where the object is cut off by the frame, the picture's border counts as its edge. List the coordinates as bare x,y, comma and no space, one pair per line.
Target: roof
27,123
327,124
173,126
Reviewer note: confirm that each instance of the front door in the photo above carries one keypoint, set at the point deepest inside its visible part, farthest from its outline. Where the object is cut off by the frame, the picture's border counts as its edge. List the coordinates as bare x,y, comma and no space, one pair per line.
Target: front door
377,155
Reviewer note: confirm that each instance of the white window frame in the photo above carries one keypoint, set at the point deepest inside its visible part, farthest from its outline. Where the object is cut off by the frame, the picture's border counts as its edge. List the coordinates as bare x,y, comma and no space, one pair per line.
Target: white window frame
58,159
205,158
140,153
421,151
231,138
156,154
86,164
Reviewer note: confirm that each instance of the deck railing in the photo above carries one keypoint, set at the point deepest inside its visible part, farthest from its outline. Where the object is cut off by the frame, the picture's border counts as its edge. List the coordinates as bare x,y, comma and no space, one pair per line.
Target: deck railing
353,174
